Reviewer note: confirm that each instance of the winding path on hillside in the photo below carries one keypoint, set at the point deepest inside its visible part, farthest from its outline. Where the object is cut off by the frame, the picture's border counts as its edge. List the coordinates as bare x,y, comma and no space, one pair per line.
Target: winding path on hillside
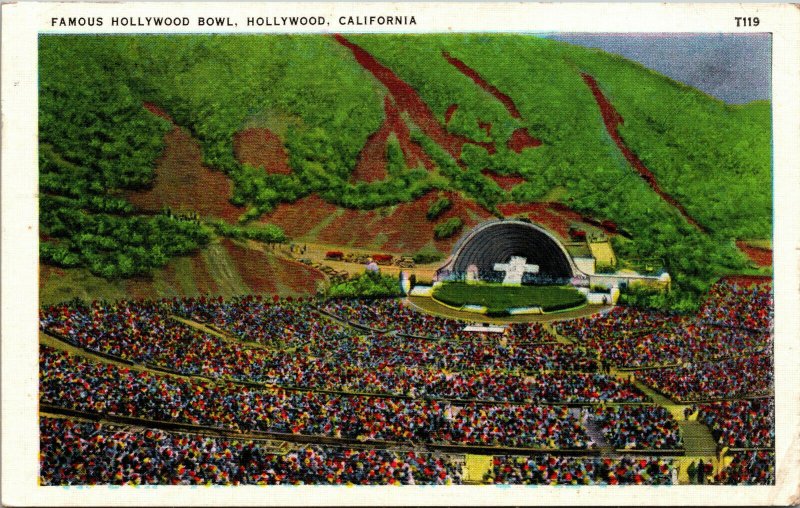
408,100
612,119
521,138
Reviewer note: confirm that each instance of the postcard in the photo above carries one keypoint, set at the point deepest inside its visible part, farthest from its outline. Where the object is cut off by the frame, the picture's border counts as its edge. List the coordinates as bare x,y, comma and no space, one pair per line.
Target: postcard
400,253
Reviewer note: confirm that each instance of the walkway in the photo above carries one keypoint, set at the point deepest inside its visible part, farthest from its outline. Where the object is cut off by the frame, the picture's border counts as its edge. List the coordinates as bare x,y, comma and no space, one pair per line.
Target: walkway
606,450
476,467
428,305
697,439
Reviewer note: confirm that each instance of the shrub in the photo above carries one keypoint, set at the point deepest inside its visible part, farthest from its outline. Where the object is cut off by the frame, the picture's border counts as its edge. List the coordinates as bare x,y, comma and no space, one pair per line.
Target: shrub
438,207
334,254
427,254
448,228
604,268
267,233
367,285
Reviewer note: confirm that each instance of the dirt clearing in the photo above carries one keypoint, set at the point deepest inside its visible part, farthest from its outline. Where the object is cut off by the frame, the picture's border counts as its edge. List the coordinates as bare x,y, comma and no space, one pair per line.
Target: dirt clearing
261,148
759,255
183,183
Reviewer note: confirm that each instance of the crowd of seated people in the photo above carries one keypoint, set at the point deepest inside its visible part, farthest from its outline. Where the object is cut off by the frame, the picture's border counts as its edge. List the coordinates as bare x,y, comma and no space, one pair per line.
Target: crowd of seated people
749,468
701,381
75,383
683,344
144,334
638,427
618,322
382,364
78,453
468,354
545,388
392,314
395,315
734,320
516,426
741,423
454,385
737,306
553,470
278,323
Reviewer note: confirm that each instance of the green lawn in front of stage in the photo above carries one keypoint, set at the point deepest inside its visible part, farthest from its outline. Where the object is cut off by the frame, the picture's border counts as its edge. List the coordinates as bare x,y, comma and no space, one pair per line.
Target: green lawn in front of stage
498,298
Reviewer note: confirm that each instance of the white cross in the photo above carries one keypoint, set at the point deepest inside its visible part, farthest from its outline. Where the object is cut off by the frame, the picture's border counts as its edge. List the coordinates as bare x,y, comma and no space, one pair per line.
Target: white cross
514,269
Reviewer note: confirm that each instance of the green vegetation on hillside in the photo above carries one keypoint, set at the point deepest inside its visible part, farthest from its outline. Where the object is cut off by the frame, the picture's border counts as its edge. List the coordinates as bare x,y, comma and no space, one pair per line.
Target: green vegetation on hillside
448,228
498,298
97,140
715,159
267,233
543,79
438,207
367,285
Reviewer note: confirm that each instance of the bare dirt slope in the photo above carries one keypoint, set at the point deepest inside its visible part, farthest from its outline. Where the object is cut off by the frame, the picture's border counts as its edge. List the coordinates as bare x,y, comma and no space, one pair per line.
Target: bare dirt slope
183,183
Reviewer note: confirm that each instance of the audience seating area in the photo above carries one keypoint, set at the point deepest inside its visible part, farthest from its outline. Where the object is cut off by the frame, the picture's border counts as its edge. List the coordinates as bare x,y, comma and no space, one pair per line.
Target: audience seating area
374,392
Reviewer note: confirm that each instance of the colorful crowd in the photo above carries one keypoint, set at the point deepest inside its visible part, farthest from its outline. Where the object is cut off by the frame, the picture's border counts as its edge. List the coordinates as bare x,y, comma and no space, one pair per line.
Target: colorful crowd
405,379
733,321
639,427
708,381
75,383
555,470
78,453
741,423
749,468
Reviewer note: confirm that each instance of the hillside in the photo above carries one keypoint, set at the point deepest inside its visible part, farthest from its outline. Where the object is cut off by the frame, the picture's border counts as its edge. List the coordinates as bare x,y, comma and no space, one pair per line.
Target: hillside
394,143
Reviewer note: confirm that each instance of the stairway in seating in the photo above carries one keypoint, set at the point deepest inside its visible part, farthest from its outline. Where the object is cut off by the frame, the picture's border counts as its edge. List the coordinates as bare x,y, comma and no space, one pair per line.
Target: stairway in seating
476,467
599,439
697,439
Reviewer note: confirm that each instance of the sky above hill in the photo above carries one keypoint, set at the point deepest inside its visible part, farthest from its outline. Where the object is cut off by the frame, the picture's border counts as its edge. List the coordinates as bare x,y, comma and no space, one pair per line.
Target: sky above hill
731,67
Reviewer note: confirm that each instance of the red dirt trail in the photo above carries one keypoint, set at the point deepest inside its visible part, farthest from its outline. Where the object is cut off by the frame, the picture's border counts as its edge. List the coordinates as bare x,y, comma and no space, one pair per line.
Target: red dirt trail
182,182
413,153
760,256
521,138
149,106
506,182
472,74
261,148
451,110
612,119
372,163
409,101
